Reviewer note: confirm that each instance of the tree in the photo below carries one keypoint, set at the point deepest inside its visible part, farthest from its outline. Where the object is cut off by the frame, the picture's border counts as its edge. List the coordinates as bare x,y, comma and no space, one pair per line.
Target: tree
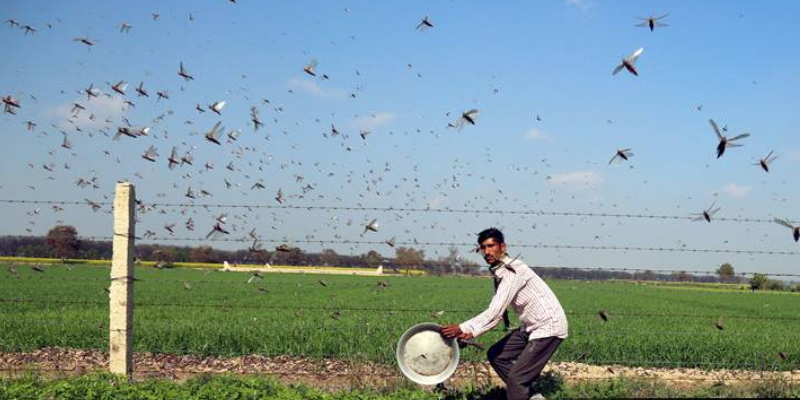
204,254
260,257
451,261
682,276
183,254
758,281
329,257
649,275
409,257
726,273
63,239
372,258
294,257
470,268
774,284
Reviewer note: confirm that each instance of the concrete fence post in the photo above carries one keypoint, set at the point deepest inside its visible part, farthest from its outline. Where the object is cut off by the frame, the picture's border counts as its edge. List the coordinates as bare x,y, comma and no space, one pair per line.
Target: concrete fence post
121,296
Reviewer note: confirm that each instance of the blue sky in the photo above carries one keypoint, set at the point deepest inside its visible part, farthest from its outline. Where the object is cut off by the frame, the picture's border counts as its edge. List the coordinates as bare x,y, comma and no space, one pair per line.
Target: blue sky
511,61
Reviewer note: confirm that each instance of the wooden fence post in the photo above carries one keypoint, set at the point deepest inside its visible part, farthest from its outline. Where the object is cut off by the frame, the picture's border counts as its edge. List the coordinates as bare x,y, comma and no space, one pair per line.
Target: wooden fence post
121,296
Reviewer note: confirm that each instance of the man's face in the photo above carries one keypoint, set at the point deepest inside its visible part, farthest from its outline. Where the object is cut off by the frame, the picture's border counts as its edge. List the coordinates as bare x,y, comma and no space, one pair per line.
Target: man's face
492,251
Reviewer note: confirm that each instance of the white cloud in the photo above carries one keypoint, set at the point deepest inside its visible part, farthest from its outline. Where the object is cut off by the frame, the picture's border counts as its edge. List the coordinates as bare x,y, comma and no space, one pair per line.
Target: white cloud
536,135
577,179
735,190
97,111
371,122
313,88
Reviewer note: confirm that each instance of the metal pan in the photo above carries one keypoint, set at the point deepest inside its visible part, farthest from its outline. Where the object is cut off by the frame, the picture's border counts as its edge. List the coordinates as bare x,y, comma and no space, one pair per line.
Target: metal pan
424,356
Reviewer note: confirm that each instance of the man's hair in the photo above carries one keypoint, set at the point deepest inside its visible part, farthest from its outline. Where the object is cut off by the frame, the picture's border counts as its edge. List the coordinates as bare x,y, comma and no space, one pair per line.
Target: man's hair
491,233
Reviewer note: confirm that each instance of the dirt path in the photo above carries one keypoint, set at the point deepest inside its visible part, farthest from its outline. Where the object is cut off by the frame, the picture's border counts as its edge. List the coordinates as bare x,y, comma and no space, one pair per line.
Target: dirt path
335,374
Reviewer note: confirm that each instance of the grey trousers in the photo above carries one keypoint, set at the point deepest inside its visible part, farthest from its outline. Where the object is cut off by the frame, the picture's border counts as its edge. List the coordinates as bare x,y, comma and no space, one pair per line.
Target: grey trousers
519,361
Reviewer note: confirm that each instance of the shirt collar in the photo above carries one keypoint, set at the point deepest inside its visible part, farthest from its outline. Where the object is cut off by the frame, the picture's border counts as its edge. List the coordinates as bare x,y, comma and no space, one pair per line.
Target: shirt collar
503,261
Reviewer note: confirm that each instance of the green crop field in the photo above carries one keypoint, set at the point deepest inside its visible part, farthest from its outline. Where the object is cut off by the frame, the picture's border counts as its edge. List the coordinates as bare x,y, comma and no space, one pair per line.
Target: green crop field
107,386
218,313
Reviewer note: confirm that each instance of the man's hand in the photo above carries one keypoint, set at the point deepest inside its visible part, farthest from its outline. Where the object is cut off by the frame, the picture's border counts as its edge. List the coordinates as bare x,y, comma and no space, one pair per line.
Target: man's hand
451,331
454,331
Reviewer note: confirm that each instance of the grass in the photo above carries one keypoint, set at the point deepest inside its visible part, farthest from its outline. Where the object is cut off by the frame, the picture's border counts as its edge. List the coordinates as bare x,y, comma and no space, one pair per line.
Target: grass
107,263
105,386
649,325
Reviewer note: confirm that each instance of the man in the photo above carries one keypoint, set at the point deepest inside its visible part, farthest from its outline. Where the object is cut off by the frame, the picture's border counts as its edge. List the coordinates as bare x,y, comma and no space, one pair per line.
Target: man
522,354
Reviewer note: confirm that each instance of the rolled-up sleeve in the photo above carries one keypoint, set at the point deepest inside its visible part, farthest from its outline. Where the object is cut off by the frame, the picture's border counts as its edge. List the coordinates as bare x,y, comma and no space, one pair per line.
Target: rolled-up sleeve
508,288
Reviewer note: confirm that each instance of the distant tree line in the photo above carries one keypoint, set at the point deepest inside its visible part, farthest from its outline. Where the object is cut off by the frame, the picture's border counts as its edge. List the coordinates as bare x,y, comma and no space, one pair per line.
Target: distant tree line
62,242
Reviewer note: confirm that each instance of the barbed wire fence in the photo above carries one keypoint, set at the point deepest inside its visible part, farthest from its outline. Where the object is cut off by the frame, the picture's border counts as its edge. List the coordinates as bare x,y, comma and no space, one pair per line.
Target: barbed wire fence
151,237
122,281
155,205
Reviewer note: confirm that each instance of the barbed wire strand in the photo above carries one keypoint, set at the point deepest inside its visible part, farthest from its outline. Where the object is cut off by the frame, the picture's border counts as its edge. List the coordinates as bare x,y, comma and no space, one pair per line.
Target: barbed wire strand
203,354
264,286
32,368
455,244
623,374
580,357
228,306
394,333
402,209
259,269
597,330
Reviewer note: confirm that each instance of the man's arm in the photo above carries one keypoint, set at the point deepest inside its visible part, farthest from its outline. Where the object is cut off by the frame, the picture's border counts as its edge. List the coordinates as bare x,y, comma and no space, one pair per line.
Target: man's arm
488,319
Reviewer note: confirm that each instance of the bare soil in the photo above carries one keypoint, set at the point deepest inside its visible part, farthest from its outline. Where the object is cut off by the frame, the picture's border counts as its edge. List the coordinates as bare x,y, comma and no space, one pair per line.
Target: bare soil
342,374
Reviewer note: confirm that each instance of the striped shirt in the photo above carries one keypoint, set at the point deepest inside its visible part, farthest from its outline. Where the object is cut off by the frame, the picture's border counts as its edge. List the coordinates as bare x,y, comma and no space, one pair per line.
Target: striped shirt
539,311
